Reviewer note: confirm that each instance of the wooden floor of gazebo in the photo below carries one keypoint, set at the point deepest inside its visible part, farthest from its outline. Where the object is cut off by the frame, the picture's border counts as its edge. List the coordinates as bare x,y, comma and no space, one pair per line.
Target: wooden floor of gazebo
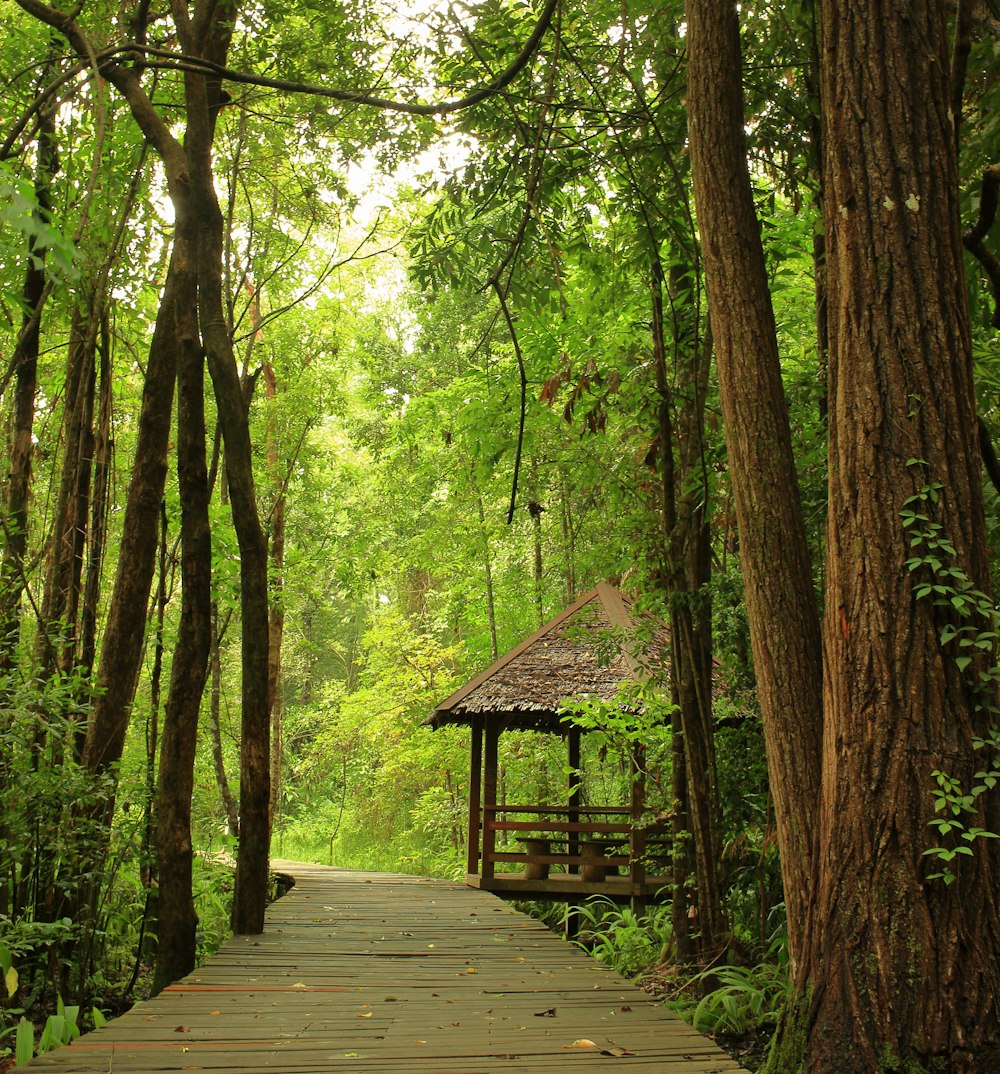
383,974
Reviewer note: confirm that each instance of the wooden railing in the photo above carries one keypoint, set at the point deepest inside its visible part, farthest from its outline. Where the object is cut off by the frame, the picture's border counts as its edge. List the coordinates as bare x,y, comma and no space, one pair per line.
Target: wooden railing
595,842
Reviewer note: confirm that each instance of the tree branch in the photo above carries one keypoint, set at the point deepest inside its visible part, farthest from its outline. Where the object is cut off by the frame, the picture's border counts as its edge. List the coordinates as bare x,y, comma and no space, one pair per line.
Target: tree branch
973,238
180,62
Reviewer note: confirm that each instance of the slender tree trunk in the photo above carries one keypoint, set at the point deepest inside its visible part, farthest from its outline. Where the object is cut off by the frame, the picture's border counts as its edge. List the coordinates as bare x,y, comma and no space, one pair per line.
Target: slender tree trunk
203,97
215,723
781,604
148,874
681,859
535,509
24,361
99,504
277,603
175,954
124,633
569,542
61,598
491,612
685,535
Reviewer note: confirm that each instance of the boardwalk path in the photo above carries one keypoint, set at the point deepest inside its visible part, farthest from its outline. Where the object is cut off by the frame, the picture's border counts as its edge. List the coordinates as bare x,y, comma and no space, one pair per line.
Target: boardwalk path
381,974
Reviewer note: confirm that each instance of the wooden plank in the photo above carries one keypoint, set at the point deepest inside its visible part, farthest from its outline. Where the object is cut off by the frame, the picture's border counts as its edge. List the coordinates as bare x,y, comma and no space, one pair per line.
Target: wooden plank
363,973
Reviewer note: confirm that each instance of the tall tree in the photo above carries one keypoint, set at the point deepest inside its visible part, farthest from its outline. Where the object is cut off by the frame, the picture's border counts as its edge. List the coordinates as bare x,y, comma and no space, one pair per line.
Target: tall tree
893,968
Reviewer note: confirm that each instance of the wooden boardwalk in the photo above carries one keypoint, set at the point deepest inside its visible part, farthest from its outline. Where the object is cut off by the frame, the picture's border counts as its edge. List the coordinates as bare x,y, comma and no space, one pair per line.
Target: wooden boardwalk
376,973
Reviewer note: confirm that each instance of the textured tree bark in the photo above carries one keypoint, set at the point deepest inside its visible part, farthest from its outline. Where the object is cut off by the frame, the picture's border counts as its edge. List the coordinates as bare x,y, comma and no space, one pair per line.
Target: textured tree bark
124,634
892,970
176,949
903,969
211,39
781,604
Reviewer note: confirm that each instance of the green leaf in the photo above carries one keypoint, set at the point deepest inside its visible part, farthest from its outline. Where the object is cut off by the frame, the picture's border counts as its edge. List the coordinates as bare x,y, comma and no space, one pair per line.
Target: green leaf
24,1042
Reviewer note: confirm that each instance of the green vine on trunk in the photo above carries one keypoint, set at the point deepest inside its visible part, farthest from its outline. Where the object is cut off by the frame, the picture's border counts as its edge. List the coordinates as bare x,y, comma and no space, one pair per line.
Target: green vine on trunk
971,631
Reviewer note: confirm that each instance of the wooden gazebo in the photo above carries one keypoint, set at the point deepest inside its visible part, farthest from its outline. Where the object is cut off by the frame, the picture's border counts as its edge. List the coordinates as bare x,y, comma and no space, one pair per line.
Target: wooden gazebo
565,850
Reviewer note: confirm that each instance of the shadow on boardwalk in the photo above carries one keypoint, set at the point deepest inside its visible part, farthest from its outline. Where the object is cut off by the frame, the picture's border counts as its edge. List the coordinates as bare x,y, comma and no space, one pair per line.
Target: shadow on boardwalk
385,974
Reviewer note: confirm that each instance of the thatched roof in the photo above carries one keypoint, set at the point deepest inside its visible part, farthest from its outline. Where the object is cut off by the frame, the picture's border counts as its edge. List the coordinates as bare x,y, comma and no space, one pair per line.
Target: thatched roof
579,653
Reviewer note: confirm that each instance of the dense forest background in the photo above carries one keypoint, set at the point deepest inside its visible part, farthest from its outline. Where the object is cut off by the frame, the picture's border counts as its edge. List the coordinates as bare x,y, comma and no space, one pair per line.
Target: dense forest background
342,346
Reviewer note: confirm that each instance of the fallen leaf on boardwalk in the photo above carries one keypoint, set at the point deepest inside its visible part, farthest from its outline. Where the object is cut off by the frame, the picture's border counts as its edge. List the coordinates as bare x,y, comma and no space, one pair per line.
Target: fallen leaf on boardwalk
616,1052
581,1043
389,999
352,1055
215,1012
549,1013
421,1042
365,1014
626,1008
299,984
183,1029
472,969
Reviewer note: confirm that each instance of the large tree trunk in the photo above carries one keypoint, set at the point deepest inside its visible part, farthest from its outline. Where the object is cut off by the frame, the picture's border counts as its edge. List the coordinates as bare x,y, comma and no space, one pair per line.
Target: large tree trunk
904,970
781,604
893,970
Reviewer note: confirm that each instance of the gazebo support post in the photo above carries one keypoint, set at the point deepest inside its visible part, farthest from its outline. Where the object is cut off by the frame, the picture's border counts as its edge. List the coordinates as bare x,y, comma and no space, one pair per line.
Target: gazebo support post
637,837
575,796
475,794
490,770
572,922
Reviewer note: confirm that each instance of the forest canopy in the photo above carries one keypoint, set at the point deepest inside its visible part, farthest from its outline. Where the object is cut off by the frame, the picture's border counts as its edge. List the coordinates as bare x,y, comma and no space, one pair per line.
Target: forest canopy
344,345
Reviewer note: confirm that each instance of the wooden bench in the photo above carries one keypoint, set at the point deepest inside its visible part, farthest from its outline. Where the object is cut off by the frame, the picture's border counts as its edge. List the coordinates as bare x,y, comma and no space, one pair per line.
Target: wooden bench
593,855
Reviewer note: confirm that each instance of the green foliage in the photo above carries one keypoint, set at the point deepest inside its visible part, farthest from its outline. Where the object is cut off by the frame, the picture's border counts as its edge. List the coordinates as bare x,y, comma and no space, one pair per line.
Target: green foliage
629,943
969,634
25,230
741,999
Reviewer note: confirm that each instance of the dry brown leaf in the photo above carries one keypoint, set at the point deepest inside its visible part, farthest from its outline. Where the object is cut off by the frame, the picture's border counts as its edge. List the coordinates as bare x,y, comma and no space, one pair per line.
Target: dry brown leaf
616,1052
